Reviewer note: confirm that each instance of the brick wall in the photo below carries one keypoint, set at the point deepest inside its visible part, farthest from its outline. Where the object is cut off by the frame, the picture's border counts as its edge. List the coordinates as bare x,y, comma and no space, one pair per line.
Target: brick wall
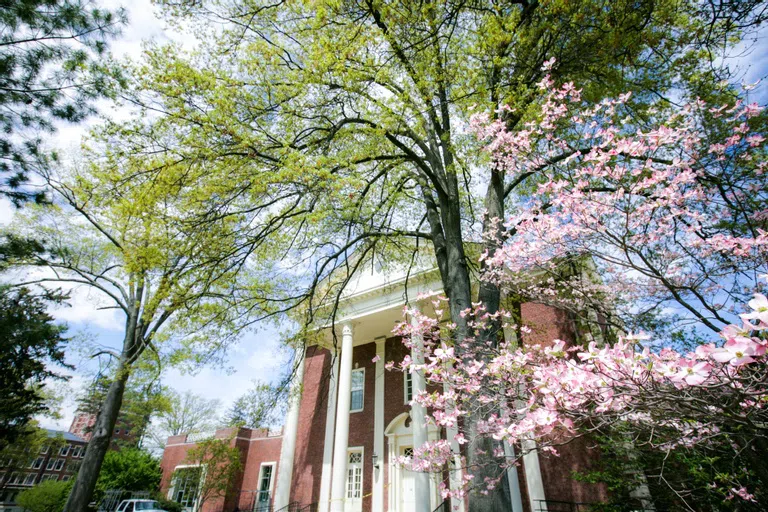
547,324
256,447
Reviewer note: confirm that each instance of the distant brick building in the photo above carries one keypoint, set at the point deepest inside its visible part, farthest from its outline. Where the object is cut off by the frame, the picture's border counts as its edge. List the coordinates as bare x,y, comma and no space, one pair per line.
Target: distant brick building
259,453
82,425
353,419
22,468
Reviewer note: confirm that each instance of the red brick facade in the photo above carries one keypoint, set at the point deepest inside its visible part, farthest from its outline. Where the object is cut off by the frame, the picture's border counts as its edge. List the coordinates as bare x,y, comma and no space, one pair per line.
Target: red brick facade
256,448
546,324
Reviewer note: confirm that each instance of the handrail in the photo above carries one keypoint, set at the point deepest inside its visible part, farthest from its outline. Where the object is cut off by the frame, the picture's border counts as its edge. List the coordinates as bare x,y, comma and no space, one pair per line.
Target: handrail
441,507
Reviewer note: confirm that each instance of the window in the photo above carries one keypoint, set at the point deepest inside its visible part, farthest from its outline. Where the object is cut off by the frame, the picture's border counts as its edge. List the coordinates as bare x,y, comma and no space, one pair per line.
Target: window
65,478
76,452
117,431
59,464
37,463
408,386
51,463
185,485
15,478
147,505
30,480
265,486
355,475
358,388
129,508
64,450
45,449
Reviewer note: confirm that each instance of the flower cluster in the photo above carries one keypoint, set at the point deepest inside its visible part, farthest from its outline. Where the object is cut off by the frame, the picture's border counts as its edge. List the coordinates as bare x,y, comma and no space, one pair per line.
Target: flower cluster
550,392
670,208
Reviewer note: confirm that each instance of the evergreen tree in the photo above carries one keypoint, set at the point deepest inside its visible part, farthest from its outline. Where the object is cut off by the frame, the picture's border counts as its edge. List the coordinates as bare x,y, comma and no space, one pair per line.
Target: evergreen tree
50,70
31,344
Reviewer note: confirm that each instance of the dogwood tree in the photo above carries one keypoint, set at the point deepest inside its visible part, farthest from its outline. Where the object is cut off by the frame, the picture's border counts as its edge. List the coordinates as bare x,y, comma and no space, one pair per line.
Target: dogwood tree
670,210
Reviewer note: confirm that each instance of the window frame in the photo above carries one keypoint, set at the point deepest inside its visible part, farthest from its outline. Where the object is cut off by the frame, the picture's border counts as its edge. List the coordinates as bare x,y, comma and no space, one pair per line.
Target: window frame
173,488
50,464
272,478
361,451
60,464
64,450
352,390
407,379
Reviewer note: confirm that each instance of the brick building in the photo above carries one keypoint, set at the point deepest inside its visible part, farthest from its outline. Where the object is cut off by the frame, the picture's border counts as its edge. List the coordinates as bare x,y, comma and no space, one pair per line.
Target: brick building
22,467
83,422
259,454
353,418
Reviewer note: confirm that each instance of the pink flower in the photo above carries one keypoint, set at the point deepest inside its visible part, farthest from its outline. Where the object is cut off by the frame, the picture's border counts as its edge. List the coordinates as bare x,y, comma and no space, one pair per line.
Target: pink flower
693,374
760,310
376,359
737,353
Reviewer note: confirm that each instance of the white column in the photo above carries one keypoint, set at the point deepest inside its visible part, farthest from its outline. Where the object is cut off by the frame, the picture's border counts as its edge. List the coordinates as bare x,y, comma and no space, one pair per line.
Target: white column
454,477
285,466
330,423
533,475
341,440
533,479
378,428
513,480
418,412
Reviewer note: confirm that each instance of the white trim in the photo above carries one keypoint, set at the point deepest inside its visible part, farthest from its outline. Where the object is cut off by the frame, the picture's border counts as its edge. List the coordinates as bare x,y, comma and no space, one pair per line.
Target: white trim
172,487
272,478
406,377
330,425
377,489
347,499
352,389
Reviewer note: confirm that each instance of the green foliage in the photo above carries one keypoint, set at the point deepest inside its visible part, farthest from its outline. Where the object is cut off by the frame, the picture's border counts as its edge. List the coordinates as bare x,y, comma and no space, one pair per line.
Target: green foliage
183,413
129,469
699,477
263,406
223,465
142,399
31,346
27,447
51,68
166,504
48,496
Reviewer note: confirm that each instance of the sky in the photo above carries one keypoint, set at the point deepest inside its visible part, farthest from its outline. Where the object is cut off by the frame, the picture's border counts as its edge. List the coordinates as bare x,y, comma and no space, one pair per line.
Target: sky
258,354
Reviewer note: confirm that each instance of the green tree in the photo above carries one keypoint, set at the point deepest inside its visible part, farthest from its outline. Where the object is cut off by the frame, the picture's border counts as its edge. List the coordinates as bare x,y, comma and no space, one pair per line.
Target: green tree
143,397
118,230
185,413
51,68
220,463
352,115
31,347
262,406
48,496
129,469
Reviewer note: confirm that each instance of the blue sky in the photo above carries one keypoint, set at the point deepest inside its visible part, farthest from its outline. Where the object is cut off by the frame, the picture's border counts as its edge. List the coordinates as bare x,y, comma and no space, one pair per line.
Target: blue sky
258,354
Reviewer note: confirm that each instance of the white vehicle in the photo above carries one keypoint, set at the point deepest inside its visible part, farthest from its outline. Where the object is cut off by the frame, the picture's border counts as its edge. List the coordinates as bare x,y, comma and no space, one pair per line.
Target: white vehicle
139,506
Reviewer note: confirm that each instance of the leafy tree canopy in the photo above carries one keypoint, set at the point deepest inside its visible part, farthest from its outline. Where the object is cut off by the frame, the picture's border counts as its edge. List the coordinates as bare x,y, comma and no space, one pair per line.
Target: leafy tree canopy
48,496
51,68
262,406
31,346
129,469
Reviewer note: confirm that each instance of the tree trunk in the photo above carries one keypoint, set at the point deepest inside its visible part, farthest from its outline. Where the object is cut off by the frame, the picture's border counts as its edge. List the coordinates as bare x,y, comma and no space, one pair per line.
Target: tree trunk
457,284
101,437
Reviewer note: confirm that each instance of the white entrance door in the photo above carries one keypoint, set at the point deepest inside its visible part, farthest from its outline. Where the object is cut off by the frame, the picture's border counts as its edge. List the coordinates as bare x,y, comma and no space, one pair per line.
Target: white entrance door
354,501
407,485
